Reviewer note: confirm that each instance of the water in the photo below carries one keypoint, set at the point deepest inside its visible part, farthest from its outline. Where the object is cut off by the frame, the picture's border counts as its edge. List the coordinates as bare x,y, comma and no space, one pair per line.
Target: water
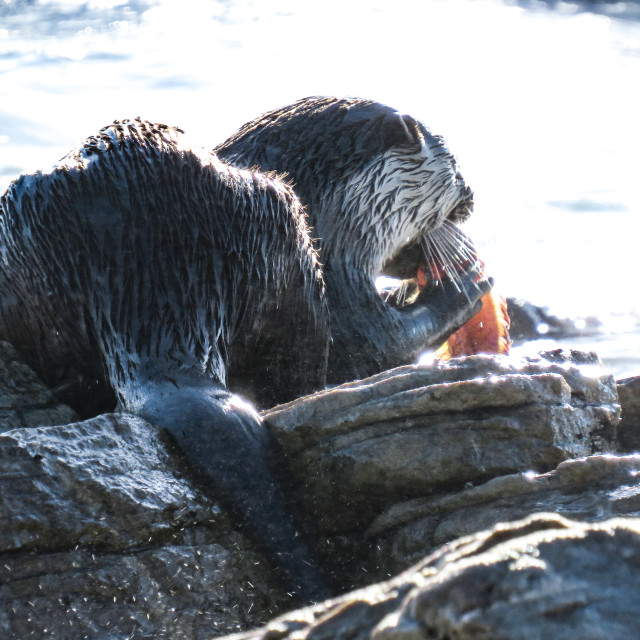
541,107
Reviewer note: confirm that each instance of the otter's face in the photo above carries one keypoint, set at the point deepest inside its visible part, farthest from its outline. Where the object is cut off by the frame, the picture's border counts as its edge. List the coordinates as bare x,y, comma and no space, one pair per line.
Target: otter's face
373,181
396,199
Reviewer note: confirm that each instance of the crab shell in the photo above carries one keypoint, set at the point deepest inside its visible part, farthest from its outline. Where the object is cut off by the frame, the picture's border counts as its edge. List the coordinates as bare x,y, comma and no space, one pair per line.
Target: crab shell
487,332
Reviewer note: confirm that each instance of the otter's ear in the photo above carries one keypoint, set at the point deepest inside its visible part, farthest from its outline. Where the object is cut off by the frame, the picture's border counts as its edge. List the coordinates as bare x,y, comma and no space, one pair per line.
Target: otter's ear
400,131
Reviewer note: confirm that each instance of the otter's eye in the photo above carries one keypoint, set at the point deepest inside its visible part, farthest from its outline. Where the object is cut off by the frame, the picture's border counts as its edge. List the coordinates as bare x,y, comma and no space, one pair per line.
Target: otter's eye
401,131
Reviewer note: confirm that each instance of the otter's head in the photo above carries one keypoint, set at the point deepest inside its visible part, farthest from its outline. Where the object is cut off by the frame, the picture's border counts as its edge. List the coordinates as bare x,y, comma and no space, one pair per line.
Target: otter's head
375,182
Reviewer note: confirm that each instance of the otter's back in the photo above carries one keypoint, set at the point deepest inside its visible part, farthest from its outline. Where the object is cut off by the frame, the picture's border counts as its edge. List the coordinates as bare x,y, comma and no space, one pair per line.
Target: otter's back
138,256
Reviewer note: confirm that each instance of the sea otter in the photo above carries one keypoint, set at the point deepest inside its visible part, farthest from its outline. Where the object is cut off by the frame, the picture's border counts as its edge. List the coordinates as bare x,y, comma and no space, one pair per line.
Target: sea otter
145,267
375,184
143,271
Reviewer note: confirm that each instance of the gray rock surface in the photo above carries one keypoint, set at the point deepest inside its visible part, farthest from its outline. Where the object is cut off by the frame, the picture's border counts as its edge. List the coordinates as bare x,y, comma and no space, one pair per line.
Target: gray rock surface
358,448
104,537
587,489
629,428
24,399
530,322
540,578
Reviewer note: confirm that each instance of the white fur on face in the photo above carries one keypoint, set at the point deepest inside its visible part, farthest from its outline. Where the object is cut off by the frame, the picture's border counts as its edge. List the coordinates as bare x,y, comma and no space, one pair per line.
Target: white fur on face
399,196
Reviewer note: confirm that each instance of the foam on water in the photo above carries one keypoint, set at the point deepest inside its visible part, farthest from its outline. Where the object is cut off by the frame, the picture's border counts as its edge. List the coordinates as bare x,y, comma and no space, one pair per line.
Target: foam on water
541,107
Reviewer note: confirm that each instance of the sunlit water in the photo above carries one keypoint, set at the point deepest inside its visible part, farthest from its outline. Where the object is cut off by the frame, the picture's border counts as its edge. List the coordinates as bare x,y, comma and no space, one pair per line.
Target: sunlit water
541,107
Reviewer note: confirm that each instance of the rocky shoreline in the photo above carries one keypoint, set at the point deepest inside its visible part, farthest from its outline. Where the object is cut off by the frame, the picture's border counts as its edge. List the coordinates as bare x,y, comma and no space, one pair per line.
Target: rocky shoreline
475,498
531,322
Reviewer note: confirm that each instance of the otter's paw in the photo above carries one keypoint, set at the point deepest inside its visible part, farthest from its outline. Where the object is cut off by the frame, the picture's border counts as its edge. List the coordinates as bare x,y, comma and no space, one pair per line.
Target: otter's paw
446,304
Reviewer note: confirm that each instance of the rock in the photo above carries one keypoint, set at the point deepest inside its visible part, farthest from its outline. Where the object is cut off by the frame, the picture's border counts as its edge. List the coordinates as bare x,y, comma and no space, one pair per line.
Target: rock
103,536
530,322
588,489
629,428
106,535
24,399
359,448
539,578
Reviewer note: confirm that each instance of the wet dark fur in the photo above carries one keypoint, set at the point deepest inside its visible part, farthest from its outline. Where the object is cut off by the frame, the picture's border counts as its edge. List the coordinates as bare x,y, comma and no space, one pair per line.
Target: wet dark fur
137,258
141,266
373,181
142,270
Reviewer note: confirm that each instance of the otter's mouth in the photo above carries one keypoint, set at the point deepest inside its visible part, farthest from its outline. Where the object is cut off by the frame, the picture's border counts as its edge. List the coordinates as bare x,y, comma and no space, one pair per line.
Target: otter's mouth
442,252
406,261
446,244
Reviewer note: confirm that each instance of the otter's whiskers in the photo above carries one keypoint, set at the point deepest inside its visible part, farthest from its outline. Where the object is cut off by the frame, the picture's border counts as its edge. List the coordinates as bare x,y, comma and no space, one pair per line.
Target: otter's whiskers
448,251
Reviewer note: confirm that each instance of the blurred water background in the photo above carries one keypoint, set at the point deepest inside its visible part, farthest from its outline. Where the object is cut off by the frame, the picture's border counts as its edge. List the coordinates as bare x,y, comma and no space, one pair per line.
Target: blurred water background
540,101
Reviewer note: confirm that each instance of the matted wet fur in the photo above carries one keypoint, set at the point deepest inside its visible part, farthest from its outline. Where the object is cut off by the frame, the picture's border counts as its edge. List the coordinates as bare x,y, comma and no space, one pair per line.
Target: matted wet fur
143,271
141,267
374,182
138,256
